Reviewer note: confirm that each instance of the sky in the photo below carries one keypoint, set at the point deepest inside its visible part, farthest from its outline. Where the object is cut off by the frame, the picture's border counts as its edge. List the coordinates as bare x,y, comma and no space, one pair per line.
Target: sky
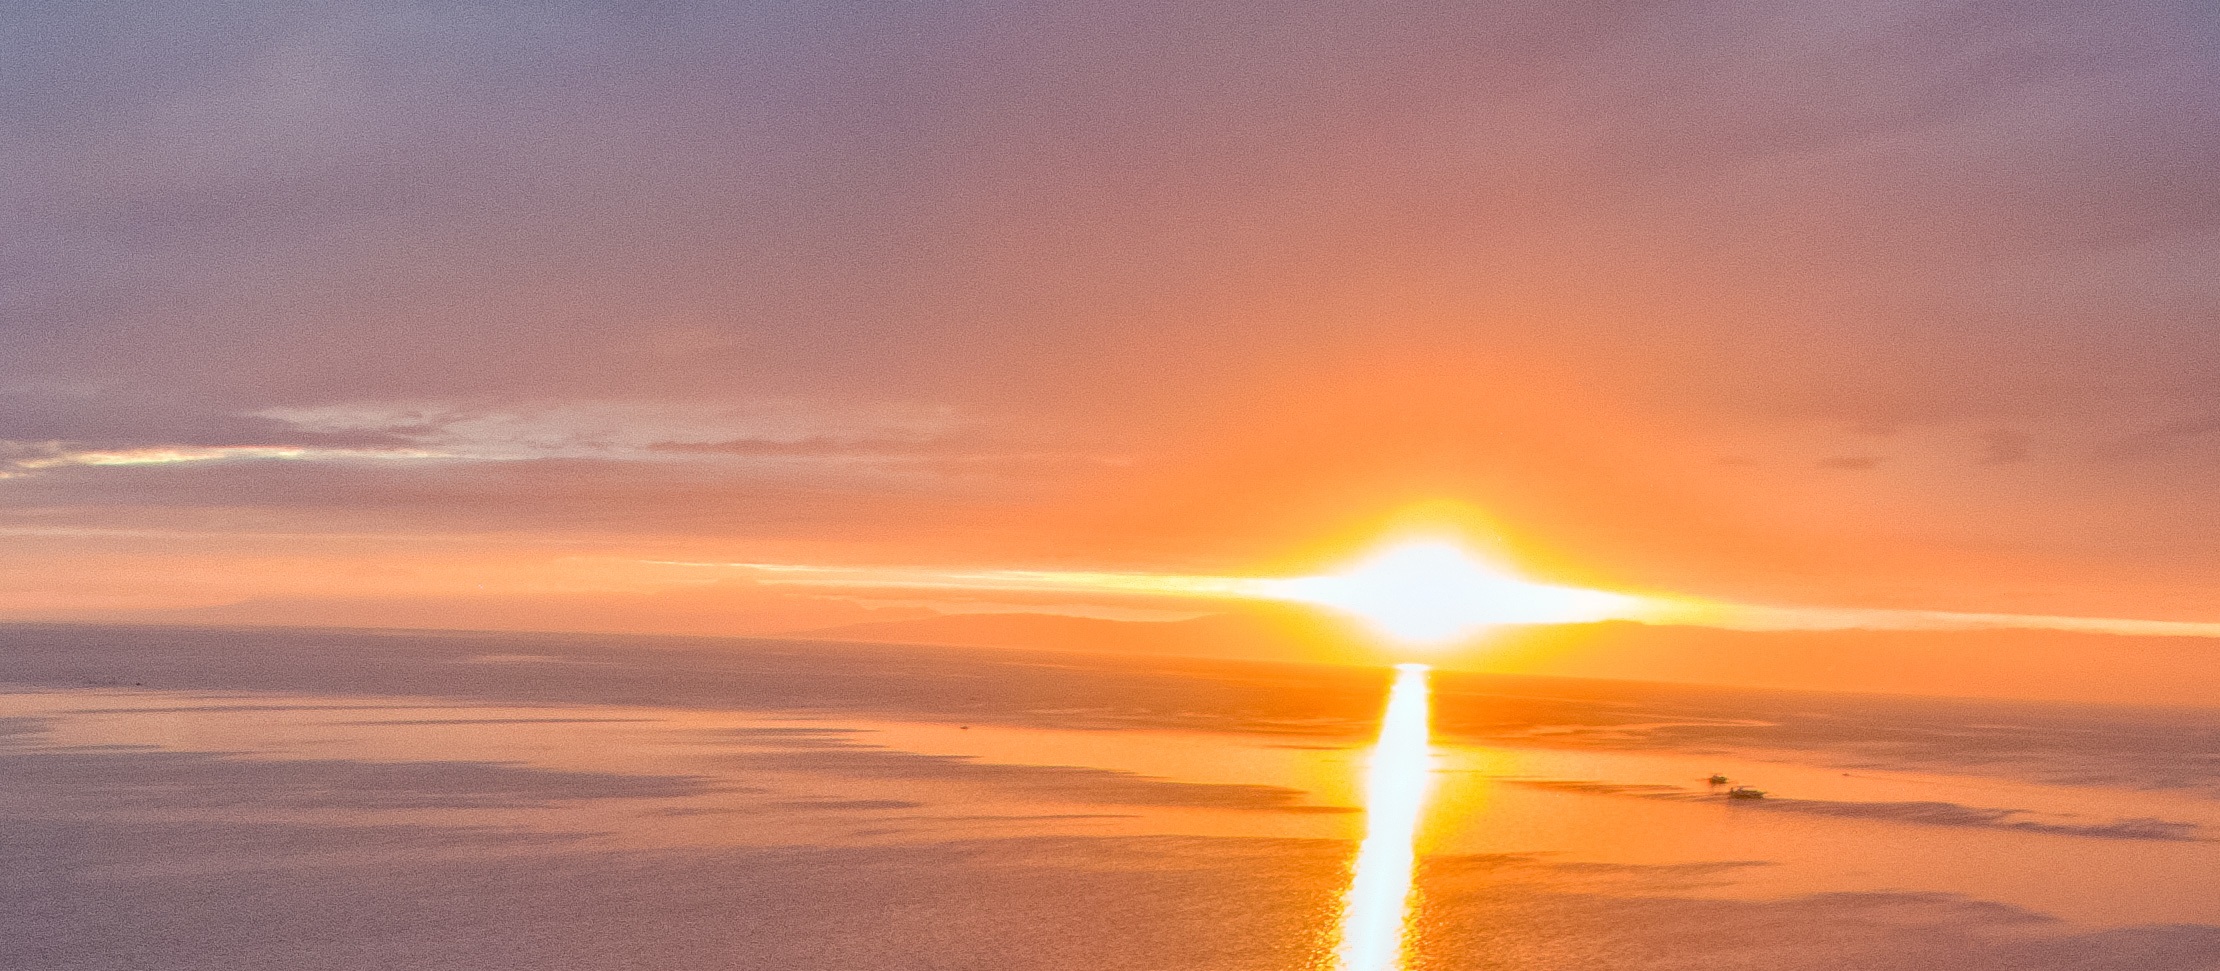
471,315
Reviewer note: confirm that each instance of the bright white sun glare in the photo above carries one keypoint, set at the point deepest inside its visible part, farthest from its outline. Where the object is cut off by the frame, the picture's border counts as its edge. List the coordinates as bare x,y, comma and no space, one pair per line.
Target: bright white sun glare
1376,911
1432,593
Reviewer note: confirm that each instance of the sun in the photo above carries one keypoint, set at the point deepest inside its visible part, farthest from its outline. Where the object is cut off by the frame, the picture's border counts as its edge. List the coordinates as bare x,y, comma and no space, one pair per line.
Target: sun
1434,593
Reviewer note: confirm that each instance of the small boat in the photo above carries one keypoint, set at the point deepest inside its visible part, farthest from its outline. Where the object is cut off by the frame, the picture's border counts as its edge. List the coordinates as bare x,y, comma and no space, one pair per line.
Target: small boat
1745,792
1718,780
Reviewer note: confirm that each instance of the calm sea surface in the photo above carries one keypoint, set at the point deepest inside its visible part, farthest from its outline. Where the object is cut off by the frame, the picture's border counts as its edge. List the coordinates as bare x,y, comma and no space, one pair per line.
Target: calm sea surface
196,799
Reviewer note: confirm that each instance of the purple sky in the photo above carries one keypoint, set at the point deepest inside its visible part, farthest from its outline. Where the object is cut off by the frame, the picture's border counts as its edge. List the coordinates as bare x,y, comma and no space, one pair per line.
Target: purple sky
1903,304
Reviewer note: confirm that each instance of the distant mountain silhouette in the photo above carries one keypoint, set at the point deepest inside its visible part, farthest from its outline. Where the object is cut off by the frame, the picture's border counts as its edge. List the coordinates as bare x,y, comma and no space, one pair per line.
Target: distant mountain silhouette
1991,663
1254,635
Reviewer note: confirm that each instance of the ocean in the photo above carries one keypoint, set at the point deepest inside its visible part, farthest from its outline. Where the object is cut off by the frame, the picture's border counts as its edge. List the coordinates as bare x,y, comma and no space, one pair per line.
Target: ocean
177,798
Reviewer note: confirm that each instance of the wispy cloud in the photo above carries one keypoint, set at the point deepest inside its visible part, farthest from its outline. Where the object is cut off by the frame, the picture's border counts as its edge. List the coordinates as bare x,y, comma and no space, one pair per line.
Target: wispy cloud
1042,581
1733,616
635,431
2167,437
1595,606
57,455
775,433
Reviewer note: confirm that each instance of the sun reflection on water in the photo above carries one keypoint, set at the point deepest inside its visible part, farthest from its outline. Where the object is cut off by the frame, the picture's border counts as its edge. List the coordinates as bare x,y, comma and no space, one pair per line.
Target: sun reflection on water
1378,905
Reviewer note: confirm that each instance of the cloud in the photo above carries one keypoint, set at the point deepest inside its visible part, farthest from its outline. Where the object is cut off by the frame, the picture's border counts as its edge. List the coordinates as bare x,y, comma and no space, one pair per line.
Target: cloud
1753,617
2167,437
774,435
2004,446
55,455
1854,463
634,431
1532,603
459,228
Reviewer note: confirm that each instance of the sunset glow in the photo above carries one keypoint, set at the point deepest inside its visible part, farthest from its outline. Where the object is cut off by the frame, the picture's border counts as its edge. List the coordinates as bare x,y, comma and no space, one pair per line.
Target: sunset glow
1419,593
1433,592
1426,595
1345,486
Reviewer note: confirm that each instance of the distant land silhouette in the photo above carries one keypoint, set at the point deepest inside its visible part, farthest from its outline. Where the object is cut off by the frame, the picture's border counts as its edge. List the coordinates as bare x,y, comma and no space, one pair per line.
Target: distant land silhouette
2054,665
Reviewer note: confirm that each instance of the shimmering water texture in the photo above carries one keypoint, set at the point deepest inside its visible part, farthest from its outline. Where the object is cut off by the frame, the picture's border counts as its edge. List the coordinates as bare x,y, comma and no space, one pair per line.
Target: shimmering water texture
1377,908
254,801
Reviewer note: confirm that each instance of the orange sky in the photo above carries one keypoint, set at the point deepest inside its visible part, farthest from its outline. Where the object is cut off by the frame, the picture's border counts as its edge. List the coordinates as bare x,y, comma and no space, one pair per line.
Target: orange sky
450,320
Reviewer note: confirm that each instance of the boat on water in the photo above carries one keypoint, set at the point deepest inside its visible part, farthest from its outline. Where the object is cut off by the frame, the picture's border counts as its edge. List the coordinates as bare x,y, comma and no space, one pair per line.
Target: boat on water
1717,780
1745,792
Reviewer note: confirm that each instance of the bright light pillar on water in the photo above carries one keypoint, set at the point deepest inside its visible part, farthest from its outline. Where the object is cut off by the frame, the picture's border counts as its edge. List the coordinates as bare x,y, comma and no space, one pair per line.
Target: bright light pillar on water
1377,908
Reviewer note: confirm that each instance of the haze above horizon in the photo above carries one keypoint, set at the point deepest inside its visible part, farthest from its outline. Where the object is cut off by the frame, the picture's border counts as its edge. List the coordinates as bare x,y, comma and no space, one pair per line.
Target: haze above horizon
1891,320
